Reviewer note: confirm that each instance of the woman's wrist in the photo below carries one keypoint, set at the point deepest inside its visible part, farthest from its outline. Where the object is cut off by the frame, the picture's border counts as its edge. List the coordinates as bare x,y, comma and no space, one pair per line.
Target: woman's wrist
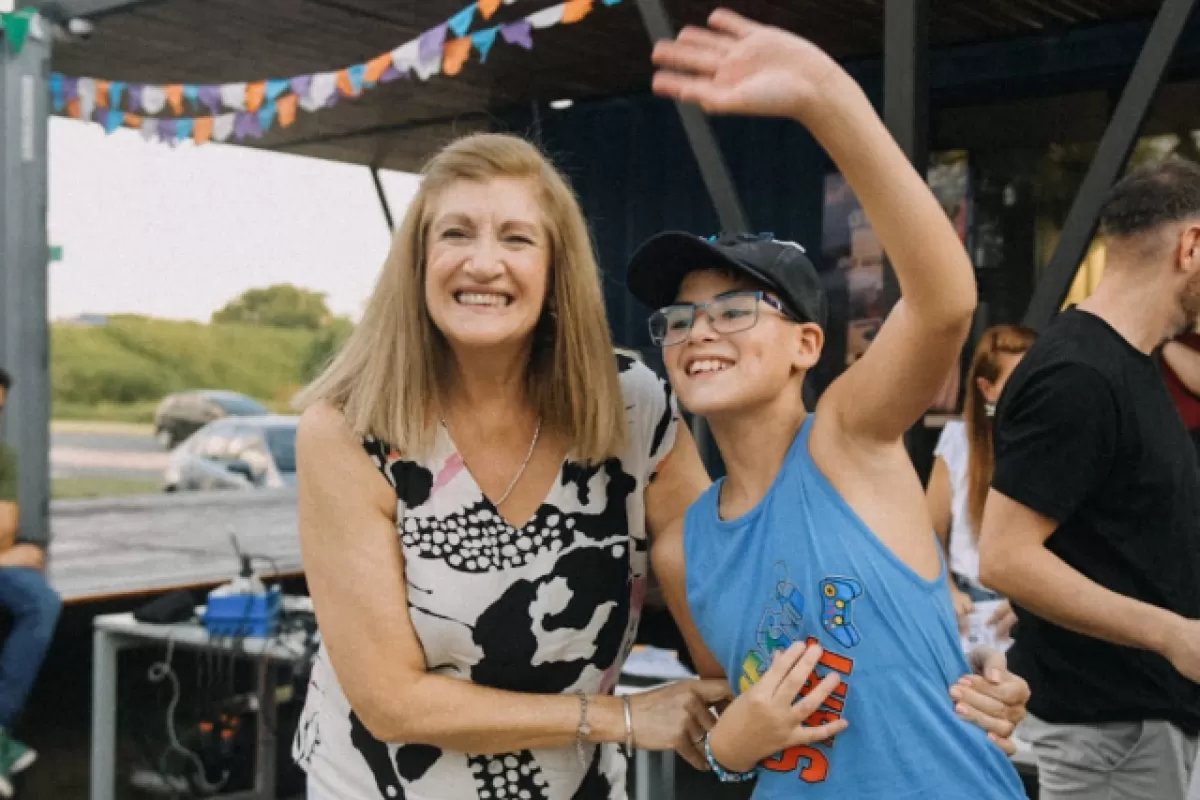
606,718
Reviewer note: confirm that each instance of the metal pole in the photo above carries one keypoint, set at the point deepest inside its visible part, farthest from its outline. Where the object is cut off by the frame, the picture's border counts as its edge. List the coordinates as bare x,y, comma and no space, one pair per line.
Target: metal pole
24,261
383,201
713,170
1111,155
906,91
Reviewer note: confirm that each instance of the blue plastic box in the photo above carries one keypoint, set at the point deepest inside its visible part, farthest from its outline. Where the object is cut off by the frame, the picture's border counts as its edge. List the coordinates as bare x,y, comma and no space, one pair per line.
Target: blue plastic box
243,614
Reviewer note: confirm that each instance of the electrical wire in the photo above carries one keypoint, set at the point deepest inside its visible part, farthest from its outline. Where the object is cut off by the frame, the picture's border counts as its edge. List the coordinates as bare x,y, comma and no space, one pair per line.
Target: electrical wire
158,672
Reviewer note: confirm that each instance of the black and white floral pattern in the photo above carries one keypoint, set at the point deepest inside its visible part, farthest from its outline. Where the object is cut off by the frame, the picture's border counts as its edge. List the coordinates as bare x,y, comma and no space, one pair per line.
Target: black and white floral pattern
550,607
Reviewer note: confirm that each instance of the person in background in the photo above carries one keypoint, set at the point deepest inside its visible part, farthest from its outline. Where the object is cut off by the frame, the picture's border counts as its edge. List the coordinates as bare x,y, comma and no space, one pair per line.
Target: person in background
1180,363
34,607
1092,526
962,472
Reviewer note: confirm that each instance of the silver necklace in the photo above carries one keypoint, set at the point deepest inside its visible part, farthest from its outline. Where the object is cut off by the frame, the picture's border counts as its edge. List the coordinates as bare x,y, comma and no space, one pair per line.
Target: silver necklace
521,470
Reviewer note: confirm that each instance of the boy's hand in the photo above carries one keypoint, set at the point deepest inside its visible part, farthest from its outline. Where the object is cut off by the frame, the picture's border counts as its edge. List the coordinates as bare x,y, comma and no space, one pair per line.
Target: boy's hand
737,66
766,718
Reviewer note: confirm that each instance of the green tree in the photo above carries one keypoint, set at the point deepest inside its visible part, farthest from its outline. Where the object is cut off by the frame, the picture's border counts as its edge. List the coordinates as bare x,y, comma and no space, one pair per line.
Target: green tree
325,346
278,306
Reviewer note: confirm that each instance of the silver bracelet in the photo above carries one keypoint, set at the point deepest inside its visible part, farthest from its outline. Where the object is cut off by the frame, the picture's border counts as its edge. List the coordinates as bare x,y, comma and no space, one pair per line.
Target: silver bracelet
582,730
628,725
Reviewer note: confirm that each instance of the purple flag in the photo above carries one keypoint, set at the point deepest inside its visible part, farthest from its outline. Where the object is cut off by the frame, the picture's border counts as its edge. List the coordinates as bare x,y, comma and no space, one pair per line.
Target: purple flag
300,85
432,42
166,130
70,88
391,74
247,126
519,33
135,97
210,98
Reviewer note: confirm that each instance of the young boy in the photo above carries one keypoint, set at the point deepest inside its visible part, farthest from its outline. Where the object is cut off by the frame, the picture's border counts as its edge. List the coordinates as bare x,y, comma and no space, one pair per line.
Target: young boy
816,553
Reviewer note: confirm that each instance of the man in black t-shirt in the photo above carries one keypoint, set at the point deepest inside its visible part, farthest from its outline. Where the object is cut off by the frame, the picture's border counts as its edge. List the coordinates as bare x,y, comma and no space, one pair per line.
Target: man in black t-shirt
1092,526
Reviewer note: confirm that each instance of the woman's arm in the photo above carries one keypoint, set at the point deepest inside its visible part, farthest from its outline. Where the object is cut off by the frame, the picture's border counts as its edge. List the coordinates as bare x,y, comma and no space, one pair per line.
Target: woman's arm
355,571
937,497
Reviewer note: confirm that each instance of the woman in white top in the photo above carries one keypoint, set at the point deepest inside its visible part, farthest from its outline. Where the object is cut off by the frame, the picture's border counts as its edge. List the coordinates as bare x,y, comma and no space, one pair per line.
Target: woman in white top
480,476
962,471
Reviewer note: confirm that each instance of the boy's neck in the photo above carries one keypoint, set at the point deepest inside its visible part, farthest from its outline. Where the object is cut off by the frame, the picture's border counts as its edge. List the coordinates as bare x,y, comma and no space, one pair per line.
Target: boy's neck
753,445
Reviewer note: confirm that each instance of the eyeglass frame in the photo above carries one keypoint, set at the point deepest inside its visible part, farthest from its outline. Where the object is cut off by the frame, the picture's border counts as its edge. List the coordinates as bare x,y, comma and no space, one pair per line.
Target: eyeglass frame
759,295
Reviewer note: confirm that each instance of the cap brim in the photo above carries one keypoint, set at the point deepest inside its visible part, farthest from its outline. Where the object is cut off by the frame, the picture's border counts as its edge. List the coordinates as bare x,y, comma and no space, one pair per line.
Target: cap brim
659,266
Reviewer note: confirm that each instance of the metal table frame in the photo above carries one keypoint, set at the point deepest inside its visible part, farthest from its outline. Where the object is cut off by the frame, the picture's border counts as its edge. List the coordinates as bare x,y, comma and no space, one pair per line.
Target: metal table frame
113,633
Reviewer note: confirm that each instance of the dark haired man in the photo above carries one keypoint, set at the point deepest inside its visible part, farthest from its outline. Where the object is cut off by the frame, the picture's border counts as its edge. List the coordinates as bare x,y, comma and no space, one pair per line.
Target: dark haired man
1092,526
33,605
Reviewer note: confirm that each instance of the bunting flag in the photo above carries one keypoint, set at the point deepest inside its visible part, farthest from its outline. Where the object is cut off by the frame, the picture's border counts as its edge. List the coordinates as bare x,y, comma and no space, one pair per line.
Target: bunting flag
16,26
248,110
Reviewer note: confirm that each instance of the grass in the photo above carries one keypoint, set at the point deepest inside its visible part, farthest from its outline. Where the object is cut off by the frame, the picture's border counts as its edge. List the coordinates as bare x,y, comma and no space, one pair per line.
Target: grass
139,414
82,488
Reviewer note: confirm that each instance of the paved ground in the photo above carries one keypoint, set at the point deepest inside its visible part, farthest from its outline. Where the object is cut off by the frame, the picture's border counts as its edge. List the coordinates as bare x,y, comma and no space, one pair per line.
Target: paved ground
103,450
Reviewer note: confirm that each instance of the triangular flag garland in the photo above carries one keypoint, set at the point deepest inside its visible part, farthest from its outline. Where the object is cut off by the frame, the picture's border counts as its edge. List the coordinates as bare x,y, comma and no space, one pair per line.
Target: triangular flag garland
15,26
247,110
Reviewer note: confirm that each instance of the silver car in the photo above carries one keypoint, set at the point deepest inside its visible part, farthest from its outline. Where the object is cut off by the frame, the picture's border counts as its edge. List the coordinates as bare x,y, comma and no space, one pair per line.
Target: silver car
235,453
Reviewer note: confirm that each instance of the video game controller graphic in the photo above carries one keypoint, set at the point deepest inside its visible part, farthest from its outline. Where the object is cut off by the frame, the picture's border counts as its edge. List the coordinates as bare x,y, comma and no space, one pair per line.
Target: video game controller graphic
836,596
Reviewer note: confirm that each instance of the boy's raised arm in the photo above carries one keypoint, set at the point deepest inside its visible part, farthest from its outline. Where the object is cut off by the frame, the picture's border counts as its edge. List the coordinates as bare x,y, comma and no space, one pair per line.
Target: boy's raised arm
737,66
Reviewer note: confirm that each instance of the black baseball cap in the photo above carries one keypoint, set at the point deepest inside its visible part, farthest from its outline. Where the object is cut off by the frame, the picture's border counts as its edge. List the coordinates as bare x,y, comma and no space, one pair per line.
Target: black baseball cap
659,266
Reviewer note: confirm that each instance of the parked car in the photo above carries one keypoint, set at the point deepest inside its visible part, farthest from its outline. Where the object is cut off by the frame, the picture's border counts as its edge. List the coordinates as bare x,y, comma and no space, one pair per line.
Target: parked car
235,453
181,414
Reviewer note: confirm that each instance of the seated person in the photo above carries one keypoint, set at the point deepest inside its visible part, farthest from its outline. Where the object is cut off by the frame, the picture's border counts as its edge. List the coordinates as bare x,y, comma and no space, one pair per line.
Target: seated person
33,605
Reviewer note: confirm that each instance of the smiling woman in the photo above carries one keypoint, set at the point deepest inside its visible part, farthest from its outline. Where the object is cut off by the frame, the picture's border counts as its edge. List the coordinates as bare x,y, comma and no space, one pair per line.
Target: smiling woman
475,473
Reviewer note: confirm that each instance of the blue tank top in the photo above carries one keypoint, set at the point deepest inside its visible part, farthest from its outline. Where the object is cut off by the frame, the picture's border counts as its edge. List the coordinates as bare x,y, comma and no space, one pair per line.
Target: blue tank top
803,566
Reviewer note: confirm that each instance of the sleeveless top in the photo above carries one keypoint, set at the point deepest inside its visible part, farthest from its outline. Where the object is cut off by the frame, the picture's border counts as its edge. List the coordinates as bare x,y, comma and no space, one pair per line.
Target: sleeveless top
954,448
551,607
802,566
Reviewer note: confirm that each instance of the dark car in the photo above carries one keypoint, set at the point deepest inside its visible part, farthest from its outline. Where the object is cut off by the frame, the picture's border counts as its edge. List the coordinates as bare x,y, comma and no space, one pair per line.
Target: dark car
183,413
236,453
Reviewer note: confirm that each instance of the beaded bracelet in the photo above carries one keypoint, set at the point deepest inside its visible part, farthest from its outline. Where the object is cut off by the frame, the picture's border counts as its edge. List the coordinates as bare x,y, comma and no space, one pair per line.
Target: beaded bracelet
724,775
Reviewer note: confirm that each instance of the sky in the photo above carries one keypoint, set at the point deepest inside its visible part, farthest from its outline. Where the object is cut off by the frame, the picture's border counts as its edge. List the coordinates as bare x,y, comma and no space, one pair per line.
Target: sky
177,233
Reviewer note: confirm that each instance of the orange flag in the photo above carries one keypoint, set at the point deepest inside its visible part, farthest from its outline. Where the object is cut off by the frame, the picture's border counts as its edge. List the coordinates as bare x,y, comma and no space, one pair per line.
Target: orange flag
344,84
376,67
286,108
575,10
203,129
102,94
175,97
73,108
456,54
133,121
255,94
488,7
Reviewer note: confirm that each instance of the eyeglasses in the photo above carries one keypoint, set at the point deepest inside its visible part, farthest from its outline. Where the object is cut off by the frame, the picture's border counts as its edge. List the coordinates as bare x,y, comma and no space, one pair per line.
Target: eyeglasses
729,313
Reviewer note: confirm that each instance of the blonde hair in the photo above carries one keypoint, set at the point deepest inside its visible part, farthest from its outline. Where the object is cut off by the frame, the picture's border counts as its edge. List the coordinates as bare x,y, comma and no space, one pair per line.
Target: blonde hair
389,378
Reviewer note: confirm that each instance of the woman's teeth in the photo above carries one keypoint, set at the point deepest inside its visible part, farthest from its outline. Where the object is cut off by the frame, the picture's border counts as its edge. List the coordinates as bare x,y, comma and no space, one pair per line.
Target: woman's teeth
482,299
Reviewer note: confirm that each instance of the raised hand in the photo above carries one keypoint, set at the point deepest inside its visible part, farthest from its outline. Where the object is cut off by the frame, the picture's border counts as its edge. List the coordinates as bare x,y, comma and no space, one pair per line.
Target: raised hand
767,718
738,66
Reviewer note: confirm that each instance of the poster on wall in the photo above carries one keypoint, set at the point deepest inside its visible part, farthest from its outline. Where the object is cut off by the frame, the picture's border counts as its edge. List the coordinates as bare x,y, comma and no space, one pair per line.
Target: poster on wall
850,246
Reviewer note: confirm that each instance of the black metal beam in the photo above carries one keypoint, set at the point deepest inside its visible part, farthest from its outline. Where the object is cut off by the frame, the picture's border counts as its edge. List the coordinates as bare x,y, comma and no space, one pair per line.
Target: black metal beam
713,170
1109,160
906,92
906,77
383,201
